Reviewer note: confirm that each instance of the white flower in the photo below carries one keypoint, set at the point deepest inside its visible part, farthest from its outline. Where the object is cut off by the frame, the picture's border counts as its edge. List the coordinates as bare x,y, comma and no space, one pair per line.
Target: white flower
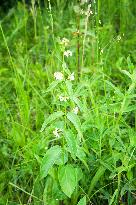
63,99
67,53
88,13
58,76
82,11
64,42
89,6
71,77
83,1
101,51
56,132
118,38
76,110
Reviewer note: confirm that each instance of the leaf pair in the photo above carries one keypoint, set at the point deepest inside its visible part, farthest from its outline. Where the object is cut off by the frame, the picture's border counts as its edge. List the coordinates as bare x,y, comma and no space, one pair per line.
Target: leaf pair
67,174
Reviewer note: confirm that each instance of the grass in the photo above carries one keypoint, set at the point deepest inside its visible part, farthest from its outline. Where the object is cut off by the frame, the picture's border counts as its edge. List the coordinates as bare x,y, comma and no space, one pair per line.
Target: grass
73,140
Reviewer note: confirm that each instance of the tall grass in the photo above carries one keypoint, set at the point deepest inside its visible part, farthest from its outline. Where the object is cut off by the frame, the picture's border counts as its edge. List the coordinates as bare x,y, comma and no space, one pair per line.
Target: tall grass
68,124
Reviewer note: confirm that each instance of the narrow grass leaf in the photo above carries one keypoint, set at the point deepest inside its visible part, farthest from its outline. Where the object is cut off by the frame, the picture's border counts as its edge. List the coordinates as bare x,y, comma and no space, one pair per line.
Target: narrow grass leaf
117,90
130,108
96,178
126,73
113,197
52,86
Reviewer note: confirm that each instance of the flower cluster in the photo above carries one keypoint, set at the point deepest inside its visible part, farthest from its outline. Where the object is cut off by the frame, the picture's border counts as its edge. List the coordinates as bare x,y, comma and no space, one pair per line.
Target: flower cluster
64,42
88,12
63,98
84,1
58,76
57,132
71,77
118,38
76,110
67,53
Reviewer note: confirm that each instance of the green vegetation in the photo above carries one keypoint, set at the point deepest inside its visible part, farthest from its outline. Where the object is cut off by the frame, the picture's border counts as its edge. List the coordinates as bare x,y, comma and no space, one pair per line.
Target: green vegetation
68,103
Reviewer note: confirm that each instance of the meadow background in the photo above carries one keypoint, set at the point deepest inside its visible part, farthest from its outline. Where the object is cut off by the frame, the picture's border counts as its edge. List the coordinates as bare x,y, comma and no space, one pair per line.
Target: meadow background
69,139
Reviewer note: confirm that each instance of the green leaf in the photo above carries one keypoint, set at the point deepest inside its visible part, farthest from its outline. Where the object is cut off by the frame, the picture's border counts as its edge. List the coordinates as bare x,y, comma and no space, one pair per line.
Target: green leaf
74,119
71,142
113,197
79,173
69,88
51,156
126,73
51,118
82,201
78,103
63,158
74,148
68,178
82,156
96,178
52,85
130,108
116,90
56,191
77,9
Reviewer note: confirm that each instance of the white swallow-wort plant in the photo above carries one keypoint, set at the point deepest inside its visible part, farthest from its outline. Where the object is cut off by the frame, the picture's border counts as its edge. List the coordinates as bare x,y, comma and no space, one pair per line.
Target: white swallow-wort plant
67,131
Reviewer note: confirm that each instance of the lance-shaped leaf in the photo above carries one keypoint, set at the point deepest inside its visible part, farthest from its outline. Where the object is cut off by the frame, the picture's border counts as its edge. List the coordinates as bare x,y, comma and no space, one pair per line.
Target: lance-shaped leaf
51,156
52,86
51,118
74,119
71,142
